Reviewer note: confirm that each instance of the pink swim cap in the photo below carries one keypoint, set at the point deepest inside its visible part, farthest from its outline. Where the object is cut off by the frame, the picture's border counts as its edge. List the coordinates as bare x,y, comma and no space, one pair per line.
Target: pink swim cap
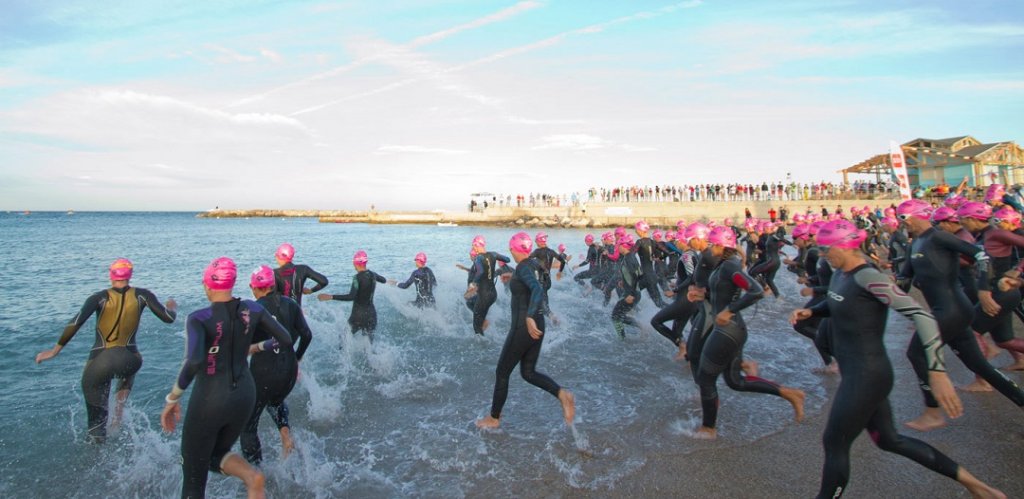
955,201
680,224
727,221
722,236
262,277
608,237
542,238
626,242
798,218
479,242
521,243
696,230
421,258
360,258
890,212
802,231
619,232
945,214
285,253
656,235
815,227
641,226
1007,214
561,248
220,274
914,208
841,234
995,192
670,235
121,270
854,211
866,210
588,239
890,222
975,210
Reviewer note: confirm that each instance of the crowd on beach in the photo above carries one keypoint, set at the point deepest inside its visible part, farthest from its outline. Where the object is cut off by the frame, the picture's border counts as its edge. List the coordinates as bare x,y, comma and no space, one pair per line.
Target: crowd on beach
854,265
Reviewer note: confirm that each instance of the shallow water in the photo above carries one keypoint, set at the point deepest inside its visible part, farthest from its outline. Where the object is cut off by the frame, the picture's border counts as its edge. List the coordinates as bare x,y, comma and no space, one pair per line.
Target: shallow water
385,420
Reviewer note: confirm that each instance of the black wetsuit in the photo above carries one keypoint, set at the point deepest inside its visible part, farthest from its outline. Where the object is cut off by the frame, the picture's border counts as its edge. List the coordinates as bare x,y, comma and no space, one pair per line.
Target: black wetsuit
646,250
769,262
751,248
593,253
114,353
631,275
274,371
702,322
1002,246
547,256
482,274
857,304
290,280
681,309
424,279
733,289
899,246
818,274
520,348
934,265
217,346
610,271
364,315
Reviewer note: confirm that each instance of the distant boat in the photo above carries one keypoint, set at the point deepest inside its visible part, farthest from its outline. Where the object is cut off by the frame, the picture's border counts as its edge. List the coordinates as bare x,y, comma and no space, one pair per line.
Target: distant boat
26,212
447,224
71,212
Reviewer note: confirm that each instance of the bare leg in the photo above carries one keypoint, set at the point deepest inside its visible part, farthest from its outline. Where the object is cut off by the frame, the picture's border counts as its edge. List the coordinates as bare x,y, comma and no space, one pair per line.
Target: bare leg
568,405
254,480
287,446
979,385
796,398
977,488
705,433
681,354
750,368
930,419
122,397
1018,362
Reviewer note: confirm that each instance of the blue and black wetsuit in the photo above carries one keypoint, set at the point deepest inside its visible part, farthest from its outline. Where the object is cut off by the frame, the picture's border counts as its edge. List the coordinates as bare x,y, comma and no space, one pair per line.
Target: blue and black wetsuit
520,348
290,279
934,265
114,354
424,280
645,250
364,315
274,371
857,304
217,347
733,289
631,276
482,275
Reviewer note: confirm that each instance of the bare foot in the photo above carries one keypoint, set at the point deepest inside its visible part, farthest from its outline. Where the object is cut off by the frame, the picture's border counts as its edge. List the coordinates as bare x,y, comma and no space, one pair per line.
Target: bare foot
287,446
796,398
681,354
930,420
750,368
488,422
568,405
485,325
253,478
705,433
1016,366
977,488
979,385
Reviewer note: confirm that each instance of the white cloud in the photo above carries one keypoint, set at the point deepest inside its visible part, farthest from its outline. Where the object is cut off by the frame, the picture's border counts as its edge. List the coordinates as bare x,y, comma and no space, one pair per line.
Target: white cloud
394,149
271,55
585,142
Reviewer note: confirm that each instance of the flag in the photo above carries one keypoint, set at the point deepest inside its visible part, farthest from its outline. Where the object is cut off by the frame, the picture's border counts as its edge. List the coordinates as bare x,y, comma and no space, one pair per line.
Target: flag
899,169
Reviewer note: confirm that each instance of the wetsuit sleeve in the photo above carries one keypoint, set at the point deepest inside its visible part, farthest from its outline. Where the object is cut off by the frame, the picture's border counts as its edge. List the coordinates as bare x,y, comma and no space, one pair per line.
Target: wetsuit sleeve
270,325
752,290
351,293
431,278
91,306
318,278
381,279
887,292
302,327
477,272
149,299
195,349
673,248
688,263
501,258
409,281
821,309
529,277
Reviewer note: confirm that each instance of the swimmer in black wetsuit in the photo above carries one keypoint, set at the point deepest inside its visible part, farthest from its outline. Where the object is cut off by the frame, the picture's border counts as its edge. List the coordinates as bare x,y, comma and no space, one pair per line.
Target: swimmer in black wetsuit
630,274
364,315
274,371
547,256
425,282
217,344
291,278
769,260
814,274
481,284
525,336
858,299
682,307
645,250
114,354
732,290
933,267
591,262
1002,245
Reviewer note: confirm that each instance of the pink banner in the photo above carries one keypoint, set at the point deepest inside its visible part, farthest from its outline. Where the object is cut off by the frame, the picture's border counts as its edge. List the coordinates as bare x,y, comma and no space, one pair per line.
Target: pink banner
899,169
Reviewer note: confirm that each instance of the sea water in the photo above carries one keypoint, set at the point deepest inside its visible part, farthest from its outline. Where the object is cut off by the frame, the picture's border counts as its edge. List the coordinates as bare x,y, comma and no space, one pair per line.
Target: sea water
390,419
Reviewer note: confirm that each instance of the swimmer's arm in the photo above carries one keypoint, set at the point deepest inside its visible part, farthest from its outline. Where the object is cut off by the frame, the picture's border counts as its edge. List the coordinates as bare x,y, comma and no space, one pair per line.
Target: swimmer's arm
379,278
320,280
149,299
408,282
885,291
195,349
90,307
305,334
269,324
528,275
430,275
351,293
752,291
501,258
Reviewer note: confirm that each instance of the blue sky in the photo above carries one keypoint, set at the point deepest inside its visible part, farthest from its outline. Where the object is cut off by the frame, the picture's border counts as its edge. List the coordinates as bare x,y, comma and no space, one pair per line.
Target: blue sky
184,105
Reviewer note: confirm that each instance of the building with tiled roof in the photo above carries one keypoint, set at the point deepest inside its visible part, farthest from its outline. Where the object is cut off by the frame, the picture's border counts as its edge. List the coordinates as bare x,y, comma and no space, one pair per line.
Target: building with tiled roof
935,161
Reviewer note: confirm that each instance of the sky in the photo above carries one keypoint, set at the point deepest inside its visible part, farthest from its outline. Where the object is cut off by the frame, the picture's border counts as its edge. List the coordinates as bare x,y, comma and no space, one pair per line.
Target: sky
415,104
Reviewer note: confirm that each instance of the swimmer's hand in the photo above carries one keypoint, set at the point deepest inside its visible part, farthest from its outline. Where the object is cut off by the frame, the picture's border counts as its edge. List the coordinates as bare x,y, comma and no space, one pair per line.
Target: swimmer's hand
630,299
1008,283
307,291
988,304
558,276
942,389
171,305
695,294
505,278
324,297
170,416
393,282
806,291
799,314
669,293
470,291
48,354
724,317
531,327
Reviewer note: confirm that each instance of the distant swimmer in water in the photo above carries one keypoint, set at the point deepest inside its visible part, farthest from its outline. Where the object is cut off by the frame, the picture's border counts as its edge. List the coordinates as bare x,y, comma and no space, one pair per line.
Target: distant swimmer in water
274,371
525,336
858,300
591,261
481,283
647,252
547,256
218,338
118,311
364,315
424,280
630,276
291,278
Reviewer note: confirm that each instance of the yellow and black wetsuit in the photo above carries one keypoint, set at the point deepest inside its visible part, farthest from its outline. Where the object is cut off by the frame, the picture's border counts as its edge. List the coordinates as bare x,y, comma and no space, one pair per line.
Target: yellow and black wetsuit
114,355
